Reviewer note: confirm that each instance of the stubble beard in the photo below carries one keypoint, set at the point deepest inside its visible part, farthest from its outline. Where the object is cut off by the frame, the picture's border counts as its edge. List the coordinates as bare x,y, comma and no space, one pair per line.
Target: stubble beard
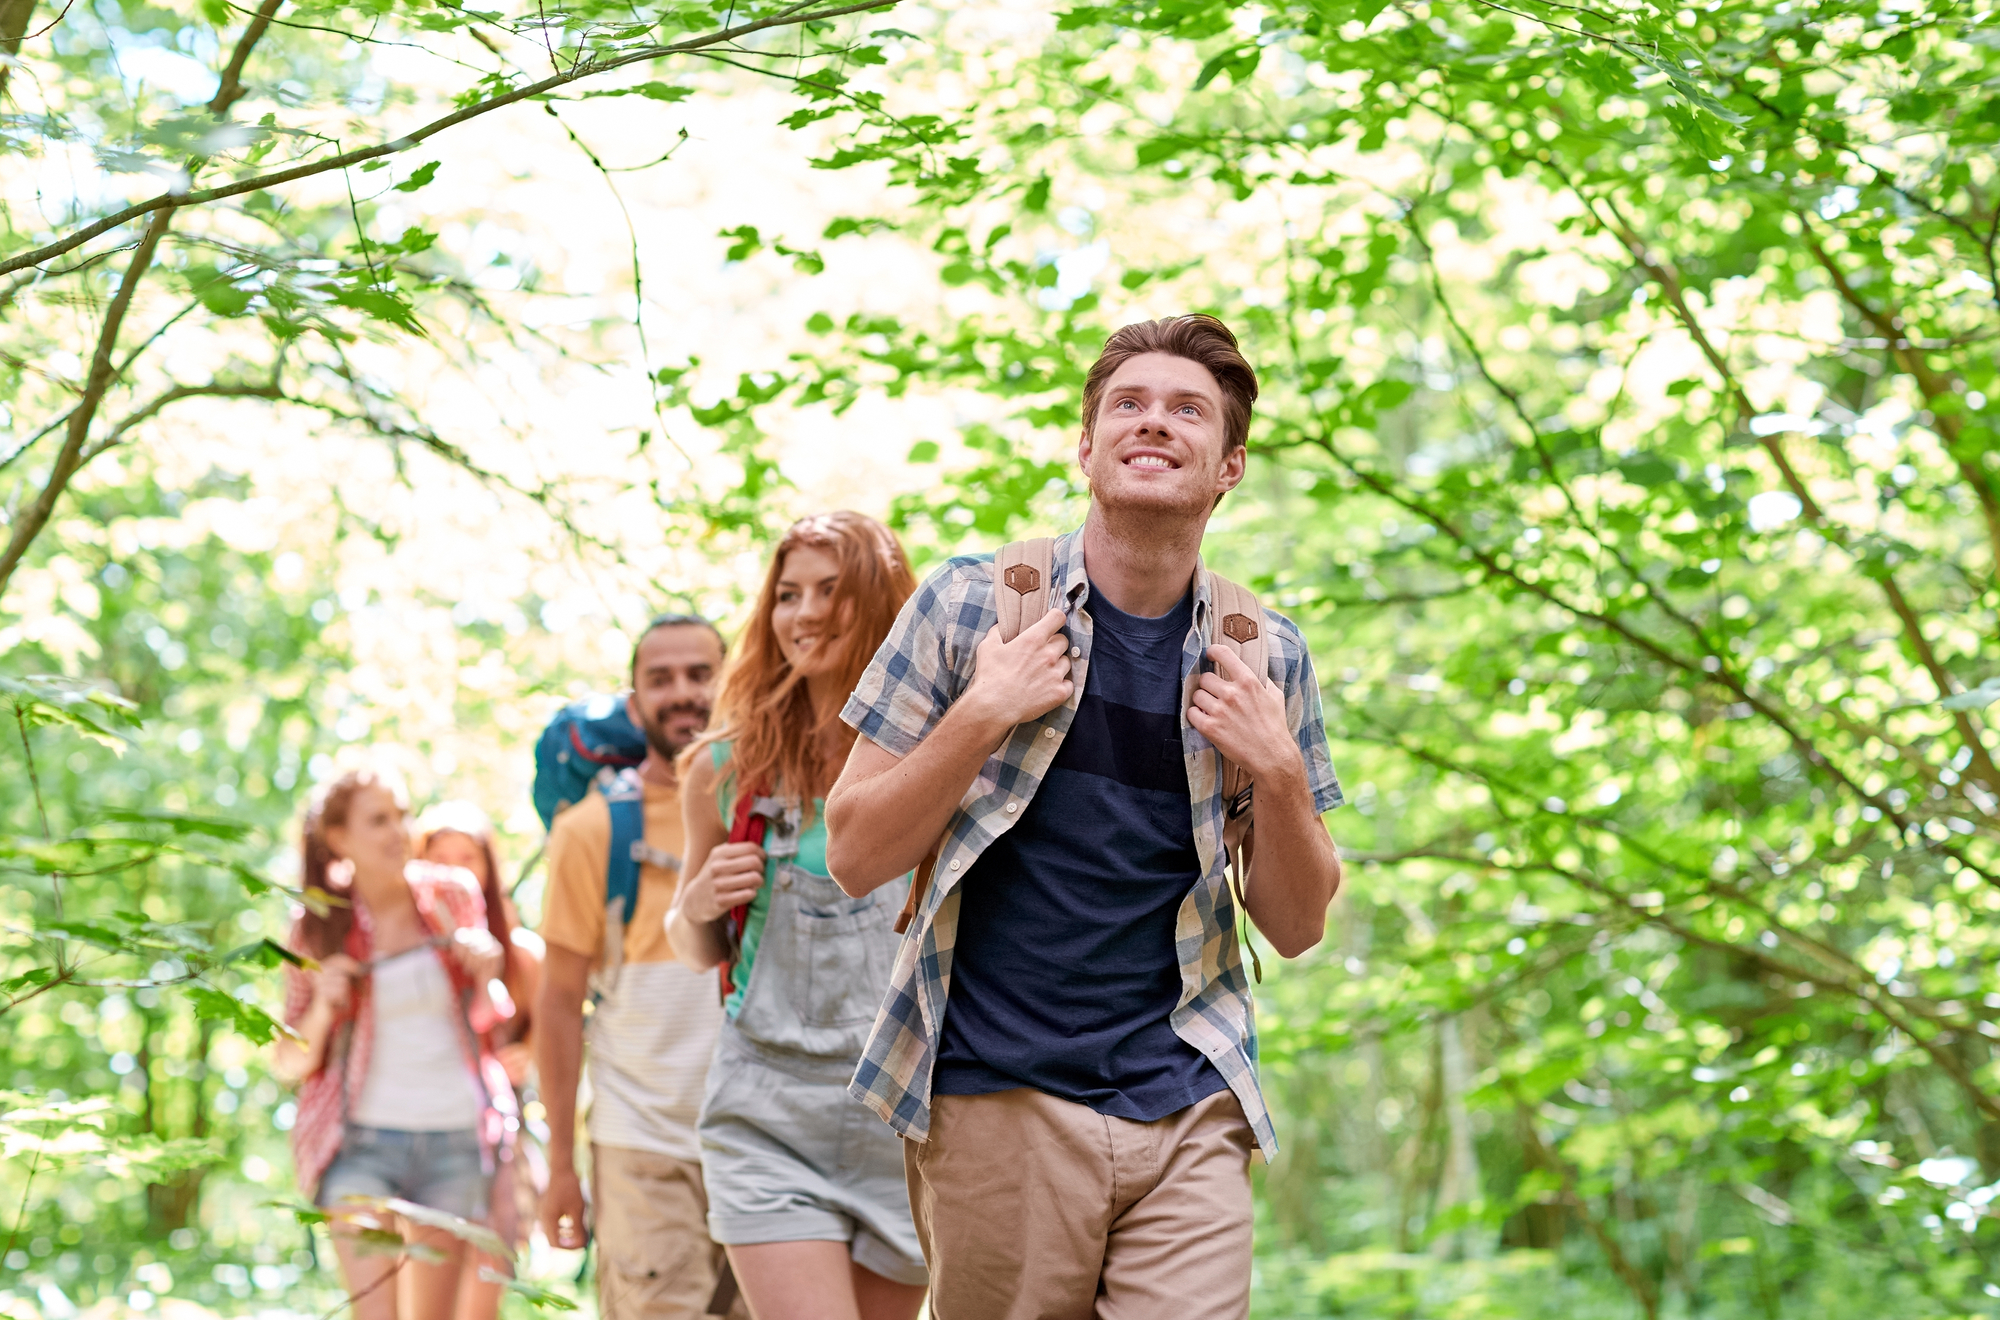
656,731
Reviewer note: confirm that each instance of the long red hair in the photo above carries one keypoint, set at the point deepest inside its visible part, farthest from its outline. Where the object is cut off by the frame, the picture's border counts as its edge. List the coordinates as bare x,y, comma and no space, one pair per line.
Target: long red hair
762,704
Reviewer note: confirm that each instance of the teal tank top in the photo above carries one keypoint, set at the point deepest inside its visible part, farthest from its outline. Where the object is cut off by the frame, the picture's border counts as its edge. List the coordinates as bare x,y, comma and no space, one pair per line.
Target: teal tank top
811,857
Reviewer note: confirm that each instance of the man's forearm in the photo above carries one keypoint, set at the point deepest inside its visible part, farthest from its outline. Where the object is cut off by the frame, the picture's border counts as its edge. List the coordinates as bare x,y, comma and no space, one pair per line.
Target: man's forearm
1296,869
881,825
559,1056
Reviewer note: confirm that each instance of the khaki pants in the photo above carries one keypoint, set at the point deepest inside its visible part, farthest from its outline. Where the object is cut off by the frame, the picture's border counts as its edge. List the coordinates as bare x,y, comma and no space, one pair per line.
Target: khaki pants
1034,1208
654,1258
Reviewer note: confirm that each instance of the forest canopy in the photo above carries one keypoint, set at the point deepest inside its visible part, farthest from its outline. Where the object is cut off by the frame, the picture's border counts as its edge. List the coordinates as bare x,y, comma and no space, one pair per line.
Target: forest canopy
1625,452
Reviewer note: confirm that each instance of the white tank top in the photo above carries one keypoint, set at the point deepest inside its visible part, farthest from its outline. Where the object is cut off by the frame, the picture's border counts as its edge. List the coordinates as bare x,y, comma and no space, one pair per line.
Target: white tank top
418,1079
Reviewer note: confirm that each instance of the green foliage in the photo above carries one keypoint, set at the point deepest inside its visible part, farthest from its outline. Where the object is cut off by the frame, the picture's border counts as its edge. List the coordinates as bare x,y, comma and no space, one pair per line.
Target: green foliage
1626,451
1623,452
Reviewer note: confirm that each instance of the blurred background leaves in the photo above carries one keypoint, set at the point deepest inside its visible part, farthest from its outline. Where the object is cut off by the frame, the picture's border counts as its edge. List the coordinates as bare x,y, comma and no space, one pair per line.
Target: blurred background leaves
1625,451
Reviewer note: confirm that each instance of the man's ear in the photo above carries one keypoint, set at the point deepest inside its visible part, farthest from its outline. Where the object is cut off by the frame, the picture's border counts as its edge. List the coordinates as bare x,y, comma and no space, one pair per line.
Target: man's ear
1231,475
1083,450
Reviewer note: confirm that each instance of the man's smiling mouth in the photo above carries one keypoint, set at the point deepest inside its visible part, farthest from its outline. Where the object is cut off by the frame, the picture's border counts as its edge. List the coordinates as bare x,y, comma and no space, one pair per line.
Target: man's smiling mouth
1152,462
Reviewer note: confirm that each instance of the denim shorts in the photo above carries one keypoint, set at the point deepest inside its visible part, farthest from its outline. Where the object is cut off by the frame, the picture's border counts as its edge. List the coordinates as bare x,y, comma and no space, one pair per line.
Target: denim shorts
442,1170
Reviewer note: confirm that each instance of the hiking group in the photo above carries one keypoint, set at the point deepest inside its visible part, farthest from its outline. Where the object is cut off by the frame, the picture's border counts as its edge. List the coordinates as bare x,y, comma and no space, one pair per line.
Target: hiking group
909,959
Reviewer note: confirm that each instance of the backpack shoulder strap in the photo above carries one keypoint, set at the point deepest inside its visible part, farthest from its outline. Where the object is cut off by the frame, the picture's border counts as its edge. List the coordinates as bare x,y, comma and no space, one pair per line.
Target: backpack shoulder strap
1239,626
626,796
753,816
1239,622
1023,577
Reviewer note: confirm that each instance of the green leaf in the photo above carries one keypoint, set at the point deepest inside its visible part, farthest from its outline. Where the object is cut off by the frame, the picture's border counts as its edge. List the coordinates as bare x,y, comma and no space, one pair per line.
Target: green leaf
477,1235
542,1299
1239,62
422,175
249,1021
1649,470
1977,698
652,91
380,303
924,451
42,700
180,823
266,952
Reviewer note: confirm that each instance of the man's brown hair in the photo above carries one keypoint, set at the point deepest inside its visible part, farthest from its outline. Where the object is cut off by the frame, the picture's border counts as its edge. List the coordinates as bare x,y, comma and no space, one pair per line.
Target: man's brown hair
1196,337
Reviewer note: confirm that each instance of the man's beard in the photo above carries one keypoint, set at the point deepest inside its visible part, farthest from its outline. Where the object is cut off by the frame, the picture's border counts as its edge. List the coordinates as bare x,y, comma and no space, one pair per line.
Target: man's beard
655,730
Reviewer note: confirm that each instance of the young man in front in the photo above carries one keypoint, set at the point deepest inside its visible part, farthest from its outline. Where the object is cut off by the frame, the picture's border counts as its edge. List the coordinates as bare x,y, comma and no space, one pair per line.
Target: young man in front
655,1021
1068,1040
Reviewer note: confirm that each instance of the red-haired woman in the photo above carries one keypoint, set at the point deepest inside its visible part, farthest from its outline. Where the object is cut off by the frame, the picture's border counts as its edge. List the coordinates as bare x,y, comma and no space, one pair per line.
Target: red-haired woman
397,1096
805,1186
460,834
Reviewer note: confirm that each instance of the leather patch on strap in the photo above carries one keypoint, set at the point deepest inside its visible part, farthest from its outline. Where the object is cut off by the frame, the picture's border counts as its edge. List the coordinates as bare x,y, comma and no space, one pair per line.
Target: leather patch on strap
1023,578
1239,628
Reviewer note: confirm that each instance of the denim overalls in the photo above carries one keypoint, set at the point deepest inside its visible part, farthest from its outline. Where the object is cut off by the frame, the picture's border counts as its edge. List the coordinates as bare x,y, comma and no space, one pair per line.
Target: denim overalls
787,1154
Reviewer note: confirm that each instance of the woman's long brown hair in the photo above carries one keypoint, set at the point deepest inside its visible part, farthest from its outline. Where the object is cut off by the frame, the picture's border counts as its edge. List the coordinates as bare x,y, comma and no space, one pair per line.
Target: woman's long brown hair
321,935
762,704
467,819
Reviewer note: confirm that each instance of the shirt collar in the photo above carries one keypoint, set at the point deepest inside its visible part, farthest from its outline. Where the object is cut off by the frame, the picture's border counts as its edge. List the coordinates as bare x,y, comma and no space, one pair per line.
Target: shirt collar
1073,582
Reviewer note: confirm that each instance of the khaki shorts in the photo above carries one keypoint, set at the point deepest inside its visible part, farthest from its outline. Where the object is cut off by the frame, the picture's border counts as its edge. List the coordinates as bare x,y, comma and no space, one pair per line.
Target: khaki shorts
1034,1208
654,1257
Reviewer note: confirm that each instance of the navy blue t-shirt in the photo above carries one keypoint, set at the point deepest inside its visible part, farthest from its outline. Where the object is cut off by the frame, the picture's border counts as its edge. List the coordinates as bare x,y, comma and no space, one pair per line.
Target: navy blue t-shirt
1064,971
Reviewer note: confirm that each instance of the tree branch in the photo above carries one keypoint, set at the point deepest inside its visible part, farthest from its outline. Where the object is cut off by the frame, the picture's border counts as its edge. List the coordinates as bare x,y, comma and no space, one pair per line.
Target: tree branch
1663,274
1934,384
30,522
794,15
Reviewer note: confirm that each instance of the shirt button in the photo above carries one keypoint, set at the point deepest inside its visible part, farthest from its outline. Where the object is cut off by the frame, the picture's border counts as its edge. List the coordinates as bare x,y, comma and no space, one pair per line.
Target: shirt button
1013,807
1048,733
954,863
1075,652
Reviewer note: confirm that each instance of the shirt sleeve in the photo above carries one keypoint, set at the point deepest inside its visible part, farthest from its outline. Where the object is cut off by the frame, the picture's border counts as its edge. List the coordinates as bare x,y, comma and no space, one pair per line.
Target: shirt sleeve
573,908
1306,716
911,682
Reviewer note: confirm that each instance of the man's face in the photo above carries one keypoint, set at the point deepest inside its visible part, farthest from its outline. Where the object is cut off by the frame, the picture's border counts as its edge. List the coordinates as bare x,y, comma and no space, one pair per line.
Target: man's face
673,682
1158,440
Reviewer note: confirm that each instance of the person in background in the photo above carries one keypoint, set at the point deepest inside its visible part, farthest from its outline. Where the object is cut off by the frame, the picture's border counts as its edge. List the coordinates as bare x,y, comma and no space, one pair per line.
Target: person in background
398,1096
654,1023
460,834
805,1186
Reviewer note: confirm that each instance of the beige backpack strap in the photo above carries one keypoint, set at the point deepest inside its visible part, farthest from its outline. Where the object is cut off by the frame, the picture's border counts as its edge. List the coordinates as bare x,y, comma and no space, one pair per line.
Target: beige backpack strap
1022,578
918,884
1239,626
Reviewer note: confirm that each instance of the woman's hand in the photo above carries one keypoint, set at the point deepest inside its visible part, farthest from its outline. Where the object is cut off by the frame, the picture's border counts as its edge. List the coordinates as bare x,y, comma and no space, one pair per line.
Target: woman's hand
333,984
730,877
516,1057
479,955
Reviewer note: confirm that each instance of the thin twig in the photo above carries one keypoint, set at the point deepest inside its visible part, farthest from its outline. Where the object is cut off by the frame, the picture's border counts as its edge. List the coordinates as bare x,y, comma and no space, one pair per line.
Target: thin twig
579,71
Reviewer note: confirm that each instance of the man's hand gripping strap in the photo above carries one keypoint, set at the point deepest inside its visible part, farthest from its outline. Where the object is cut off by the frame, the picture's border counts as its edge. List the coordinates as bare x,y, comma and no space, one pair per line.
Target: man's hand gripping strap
1023,577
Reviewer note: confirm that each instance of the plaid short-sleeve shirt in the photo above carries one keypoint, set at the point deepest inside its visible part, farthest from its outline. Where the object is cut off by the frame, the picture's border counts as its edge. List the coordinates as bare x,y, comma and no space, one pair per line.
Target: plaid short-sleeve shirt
922,668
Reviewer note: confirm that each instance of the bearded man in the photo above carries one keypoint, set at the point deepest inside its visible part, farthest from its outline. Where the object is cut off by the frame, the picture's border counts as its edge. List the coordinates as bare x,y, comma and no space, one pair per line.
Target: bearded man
654,1022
